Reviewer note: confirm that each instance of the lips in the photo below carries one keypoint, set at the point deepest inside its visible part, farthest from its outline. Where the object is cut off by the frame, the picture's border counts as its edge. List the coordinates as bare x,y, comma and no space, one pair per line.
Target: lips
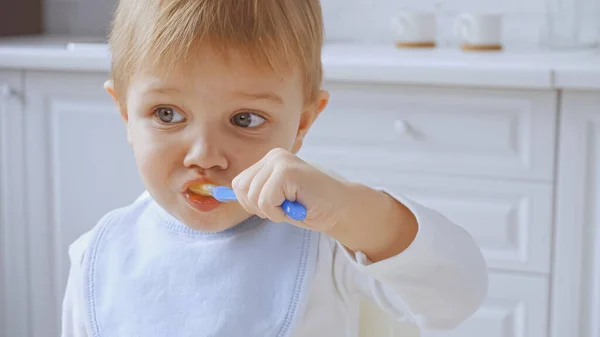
197,185
201,189
195,192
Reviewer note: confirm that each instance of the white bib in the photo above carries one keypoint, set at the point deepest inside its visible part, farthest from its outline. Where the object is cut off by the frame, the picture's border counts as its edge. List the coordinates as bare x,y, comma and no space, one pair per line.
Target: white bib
149,275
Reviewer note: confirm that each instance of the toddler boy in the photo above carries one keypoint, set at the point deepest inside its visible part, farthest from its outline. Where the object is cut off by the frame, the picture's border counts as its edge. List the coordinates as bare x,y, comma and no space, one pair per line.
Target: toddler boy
223,92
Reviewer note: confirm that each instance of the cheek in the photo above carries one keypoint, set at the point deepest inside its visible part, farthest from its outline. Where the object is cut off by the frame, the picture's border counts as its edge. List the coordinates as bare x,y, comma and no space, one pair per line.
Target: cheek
243,155
287,137
153,154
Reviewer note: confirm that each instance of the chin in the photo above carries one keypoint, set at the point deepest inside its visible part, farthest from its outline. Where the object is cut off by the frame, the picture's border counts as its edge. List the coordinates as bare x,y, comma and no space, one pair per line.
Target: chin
217,220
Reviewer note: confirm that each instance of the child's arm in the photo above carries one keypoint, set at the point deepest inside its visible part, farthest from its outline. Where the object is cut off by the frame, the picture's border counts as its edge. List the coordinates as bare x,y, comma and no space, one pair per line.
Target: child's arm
437,282
391,228
434,275
426,266
73,312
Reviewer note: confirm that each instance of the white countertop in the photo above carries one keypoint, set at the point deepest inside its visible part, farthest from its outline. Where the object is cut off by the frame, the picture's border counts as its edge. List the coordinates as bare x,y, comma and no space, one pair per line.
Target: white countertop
365,63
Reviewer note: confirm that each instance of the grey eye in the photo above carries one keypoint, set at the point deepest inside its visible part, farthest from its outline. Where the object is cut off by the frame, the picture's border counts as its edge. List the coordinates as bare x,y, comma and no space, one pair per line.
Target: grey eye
168,115
247,120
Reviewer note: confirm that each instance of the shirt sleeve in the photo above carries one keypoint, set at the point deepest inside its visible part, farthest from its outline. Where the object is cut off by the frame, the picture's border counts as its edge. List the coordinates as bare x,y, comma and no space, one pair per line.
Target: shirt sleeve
73,311
439,281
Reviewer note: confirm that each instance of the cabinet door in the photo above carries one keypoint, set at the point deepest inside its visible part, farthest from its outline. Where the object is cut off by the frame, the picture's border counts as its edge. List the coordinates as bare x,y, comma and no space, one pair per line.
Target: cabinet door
576,282
516,306
511,221
450,131
13,278
79,166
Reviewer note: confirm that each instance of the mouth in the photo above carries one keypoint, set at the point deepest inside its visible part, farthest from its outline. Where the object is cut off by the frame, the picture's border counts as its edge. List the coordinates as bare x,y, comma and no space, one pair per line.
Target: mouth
198,195
201,189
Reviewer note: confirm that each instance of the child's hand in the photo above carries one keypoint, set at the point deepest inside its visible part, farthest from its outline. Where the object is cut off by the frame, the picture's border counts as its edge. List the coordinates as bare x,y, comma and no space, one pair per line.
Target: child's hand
361,218
280,176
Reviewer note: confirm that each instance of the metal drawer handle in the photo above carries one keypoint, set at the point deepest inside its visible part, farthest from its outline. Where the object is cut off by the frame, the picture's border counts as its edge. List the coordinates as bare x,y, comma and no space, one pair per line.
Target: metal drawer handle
401,127
6,91
404,128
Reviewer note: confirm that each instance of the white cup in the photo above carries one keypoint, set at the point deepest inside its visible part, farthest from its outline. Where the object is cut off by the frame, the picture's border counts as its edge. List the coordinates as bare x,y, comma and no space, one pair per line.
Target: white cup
415,27
479,30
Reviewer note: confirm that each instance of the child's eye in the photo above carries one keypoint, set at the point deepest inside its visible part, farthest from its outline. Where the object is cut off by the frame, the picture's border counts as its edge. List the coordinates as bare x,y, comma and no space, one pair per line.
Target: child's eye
168,115
247,120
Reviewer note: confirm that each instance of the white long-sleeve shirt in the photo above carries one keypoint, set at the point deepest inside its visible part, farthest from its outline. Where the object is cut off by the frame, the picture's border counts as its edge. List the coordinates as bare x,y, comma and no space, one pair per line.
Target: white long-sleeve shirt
437,283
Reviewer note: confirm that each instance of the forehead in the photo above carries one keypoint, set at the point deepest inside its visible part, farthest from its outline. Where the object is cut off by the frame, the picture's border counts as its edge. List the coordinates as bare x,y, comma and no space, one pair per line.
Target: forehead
217,72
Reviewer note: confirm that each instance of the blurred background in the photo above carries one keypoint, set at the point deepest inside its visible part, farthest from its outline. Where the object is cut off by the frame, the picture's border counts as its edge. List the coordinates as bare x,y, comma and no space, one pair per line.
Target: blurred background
526,22
488,111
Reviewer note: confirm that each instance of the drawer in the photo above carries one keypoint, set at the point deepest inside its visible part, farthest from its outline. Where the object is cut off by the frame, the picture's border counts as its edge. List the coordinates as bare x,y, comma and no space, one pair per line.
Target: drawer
516,306
510,221
455,131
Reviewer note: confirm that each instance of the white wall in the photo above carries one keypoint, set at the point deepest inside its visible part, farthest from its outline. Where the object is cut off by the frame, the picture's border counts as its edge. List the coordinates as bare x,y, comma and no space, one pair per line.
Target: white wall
362,20
78,17
368,20
359,20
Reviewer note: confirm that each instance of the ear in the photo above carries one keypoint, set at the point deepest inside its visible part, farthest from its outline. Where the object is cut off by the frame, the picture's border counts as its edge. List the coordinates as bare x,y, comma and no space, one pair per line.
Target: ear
308,118
109,86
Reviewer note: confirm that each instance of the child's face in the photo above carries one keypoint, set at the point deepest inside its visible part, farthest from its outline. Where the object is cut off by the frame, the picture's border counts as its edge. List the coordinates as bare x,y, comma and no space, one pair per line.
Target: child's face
211,121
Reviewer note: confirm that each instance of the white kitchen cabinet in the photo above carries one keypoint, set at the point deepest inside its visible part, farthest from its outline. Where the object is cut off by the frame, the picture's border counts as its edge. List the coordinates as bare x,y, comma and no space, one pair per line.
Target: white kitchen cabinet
13,235
486,159
444,130
78,166
511,221
483,158
576,277
516,306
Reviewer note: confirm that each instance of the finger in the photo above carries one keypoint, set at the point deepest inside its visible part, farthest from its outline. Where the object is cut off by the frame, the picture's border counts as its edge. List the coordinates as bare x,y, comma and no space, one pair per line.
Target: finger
242,180
242,200
247,174
257,187
240,188
272,196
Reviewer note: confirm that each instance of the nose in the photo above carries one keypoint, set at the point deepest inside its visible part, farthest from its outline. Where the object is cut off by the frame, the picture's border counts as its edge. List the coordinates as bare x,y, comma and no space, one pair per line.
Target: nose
205,152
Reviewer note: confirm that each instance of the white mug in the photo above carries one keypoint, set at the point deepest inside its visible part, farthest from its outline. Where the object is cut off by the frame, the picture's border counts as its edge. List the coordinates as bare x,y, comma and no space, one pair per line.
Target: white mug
483,30
415,27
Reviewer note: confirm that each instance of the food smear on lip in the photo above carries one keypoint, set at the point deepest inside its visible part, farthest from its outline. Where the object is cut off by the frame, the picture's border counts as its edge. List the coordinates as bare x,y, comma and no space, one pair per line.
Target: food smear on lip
202,189
200,198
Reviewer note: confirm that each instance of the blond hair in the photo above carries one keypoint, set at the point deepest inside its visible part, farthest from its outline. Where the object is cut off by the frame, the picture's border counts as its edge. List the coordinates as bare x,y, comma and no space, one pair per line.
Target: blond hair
273,33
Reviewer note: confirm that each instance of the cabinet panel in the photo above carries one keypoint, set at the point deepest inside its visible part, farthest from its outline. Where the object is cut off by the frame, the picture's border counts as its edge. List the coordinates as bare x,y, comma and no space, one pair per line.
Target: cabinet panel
79,166
463,132
14,295
517,306
511,221
576,278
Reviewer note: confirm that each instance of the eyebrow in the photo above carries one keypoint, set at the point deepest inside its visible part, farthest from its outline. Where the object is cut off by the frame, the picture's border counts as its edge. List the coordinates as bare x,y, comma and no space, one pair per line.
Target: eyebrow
267,96
164,90
262,96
